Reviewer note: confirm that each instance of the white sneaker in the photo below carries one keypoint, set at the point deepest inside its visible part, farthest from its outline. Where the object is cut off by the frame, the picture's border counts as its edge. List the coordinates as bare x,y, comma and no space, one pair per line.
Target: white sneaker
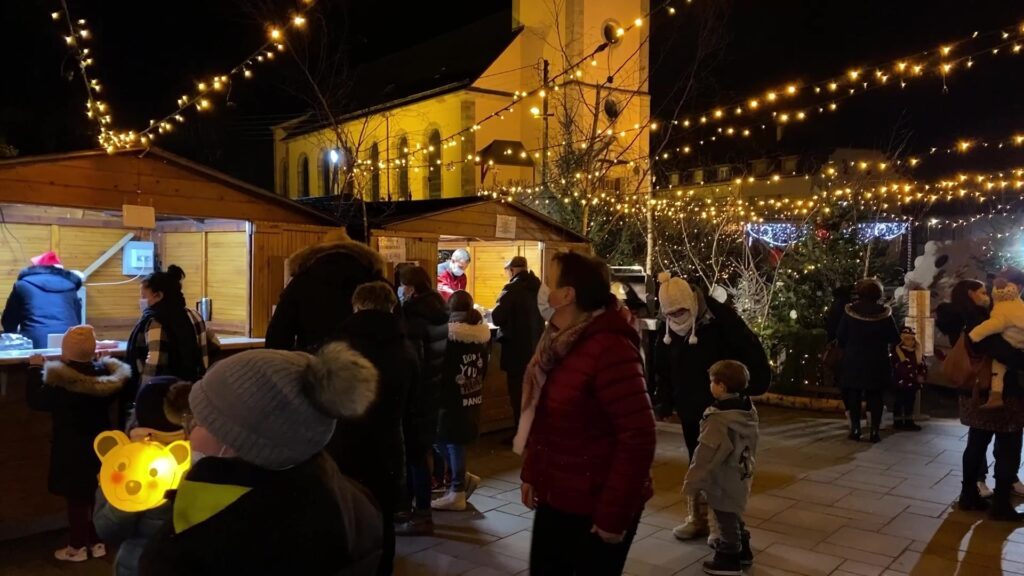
70,554
99,550
1018,488
472,483
454,501
985,492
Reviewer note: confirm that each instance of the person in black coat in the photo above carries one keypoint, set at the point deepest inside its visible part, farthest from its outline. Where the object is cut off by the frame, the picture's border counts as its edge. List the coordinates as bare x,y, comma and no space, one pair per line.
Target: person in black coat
426,321
43,301
462,394
841,296
78,392
866,333
371,449
318,298
519,327
699,332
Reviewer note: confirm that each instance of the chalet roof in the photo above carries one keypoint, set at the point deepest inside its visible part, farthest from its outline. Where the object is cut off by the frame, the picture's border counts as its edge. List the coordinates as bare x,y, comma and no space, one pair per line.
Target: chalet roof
441,65
384,214
208,173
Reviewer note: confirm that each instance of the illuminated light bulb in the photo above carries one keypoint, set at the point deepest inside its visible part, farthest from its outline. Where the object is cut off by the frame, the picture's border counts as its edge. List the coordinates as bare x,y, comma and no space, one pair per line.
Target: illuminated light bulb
946,50
753,104
947,67
275,34
535,111
832,86
800,116
771,97
964,145
84,34
791,89
299,20
247,73
833,106
671,11
620,32
579,73
70,40
638,22
970,63
784,118
593,62
718,113
854,74
654,126
202,86
918,69
542,94
914,162
902,66
1016,48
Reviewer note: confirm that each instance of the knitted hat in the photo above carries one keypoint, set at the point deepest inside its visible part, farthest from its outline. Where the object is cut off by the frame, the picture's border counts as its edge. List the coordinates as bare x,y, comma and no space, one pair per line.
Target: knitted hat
79,344
46,259
276,409
676,294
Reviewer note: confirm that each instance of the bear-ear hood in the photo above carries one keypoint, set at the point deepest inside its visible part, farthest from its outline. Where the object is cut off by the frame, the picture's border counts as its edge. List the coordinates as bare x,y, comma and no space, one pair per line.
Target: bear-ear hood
60,375
304,258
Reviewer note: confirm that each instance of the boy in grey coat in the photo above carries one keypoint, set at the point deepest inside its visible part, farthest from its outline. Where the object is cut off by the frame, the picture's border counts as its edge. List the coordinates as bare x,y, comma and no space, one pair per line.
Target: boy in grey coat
723,465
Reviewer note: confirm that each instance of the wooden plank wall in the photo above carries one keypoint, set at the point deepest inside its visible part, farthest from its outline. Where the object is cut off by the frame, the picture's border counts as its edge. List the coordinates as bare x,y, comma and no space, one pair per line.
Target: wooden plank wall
486,274
479,221
272,245
112,302
216,266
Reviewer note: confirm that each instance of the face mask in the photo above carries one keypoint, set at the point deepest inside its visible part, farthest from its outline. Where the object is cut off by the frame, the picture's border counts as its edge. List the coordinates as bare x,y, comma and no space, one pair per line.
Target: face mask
143,304
546,311
553,300
401,293
456,270
680,325
197,455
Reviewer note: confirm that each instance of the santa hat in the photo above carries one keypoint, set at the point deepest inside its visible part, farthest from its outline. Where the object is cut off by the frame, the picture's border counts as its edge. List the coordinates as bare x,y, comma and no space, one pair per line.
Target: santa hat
46,259
676,294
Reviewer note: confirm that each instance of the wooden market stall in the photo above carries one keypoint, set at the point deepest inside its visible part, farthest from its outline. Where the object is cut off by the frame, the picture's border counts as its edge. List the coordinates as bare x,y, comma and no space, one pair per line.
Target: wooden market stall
231,238
492,230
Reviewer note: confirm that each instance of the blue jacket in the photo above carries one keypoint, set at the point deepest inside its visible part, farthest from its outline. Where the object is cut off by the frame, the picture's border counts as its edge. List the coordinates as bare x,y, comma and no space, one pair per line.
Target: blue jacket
132,530
44,301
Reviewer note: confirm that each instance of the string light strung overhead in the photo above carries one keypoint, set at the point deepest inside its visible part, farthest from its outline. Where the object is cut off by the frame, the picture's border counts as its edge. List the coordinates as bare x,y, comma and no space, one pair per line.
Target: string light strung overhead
200,100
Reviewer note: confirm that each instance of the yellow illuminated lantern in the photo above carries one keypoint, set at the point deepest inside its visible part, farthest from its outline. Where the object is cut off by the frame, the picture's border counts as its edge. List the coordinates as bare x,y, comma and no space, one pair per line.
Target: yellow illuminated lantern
135,476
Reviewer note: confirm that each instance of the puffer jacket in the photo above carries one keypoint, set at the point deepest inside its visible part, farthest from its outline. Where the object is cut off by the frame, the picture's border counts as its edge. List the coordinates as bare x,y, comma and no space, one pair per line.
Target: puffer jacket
426,325
593,436
462,381
723,464
519,321
318,299
231,517
44,301
78,395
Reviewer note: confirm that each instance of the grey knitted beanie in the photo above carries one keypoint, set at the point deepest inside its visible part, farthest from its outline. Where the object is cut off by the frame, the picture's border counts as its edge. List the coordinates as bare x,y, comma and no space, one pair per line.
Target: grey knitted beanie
276,409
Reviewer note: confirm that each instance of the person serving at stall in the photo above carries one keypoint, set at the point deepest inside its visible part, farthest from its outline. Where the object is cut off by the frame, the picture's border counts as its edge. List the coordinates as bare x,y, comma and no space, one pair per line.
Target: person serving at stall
451,275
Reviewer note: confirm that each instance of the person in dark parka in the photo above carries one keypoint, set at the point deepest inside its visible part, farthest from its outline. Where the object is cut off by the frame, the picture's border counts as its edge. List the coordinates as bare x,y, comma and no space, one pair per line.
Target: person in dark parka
520,325
318,299
426,320
866,333
701,331
371,449
78,392
44,301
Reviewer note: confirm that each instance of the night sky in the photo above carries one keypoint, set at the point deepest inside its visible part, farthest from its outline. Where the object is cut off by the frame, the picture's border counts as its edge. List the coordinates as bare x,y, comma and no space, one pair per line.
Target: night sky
149,53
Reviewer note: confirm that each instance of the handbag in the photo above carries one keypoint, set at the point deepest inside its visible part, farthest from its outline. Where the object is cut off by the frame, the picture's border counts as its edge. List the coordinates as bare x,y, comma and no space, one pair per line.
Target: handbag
965,370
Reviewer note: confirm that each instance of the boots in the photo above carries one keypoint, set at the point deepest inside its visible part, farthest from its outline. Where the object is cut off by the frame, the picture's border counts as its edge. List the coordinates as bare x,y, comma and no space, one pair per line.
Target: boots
854,429
970,498
724,564
995,400
746,553
696,524
1002,509
876,424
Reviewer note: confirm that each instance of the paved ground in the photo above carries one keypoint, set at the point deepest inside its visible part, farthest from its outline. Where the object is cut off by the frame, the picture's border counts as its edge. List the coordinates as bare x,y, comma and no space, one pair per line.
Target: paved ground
822,505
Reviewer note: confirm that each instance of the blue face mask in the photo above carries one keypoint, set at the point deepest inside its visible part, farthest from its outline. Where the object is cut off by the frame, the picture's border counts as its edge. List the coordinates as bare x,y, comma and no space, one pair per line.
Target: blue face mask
401,293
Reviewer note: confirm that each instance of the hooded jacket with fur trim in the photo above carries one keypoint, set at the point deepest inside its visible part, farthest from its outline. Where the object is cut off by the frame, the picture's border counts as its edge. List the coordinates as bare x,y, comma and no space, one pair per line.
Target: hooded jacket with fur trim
866,333
318,299
78,395
462,381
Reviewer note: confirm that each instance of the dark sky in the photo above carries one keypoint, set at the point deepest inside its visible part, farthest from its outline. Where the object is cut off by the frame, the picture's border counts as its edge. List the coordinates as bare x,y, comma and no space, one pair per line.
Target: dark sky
148,53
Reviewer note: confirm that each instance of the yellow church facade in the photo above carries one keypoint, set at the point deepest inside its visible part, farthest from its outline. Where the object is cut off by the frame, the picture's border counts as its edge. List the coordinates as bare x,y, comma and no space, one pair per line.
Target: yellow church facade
419,126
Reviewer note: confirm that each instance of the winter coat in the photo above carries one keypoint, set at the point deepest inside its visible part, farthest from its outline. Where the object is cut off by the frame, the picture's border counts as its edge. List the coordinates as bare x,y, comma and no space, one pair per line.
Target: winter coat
318,299
592,441
170,339
866,333
841,296
1006,319
79,398
723,464
231,517
448,283
130,531
426,325
519,321
720,335
909,370
1010,418
44,301
462,382
371,449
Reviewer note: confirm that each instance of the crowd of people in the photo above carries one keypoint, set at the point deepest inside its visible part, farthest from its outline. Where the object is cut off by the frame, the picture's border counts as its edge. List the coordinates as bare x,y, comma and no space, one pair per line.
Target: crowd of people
352,427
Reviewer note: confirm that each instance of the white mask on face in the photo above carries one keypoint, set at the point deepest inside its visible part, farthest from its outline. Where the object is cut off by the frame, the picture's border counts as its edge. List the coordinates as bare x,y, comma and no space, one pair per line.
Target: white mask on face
143,304
456,269
546,311
681,325
401,293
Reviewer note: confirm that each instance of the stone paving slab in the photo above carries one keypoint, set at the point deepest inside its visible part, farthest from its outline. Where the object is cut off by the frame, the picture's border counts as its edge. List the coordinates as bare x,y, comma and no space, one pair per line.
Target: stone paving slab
821,505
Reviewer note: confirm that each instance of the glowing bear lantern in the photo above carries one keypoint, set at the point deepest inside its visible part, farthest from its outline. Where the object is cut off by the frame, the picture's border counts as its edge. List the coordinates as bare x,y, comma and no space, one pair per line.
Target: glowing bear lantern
135,476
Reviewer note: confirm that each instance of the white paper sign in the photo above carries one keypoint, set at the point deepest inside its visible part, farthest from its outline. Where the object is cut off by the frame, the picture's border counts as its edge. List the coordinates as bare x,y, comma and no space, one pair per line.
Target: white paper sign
505,227
392,249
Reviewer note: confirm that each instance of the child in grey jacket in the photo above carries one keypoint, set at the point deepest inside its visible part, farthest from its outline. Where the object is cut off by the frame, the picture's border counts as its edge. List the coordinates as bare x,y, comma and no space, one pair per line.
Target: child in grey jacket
723,465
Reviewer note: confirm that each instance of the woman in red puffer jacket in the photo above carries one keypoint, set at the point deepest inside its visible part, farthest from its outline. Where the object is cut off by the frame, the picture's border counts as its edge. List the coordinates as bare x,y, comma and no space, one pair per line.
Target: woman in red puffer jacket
587,428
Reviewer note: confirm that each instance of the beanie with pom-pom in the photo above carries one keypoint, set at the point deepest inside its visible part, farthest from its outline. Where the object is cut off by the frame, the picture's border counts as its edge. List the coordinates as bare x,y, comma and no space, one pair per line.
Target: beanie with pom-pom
276,409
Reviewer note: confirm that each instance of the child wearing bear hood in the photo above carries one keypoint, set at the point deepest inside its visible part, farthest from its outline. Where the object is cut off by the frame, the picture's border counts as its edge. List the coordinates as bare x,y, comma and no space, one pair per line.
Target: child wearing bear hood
262,496
77,391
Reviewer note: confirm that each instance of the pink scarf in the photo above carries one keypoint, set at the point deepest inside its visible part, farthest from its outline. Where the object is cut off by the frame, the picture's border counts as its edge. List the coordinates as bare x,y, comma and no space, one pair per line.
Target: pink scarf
554,345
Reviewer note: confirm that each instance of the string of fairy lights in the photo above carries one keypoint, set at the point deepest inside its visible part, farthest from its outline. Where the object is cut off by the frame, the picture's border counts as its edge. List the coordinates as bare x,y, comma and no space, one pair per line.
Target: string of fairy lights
199,99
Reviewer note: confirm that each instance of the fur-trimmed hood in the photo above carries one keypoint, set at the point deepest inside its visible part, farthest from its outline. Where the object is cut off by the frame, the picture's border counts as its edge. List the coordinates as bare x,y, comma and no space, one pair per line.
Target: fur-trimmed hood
469,333
304,258
61,375
868,312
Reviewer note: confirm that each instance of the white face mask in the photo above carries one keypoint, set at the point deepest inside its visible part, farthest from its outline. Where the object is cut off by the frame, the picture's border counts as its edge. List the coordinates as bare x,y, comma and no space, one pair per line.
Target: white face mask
197,455
680,326
546,311
456,269
401,293
143,304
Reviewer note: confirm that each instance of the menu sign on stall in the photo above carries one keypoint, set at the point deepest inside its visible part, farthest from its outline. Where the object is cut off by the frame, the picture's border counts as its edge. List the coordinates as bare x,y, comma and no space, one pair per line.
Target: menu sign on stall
505,227
391,249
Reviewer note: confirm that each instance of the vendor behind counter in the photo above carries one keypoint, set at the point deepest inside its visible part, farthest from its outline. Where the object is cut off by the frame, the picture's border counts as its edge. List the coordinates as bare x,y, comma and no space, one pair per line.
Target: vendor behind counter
44,300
